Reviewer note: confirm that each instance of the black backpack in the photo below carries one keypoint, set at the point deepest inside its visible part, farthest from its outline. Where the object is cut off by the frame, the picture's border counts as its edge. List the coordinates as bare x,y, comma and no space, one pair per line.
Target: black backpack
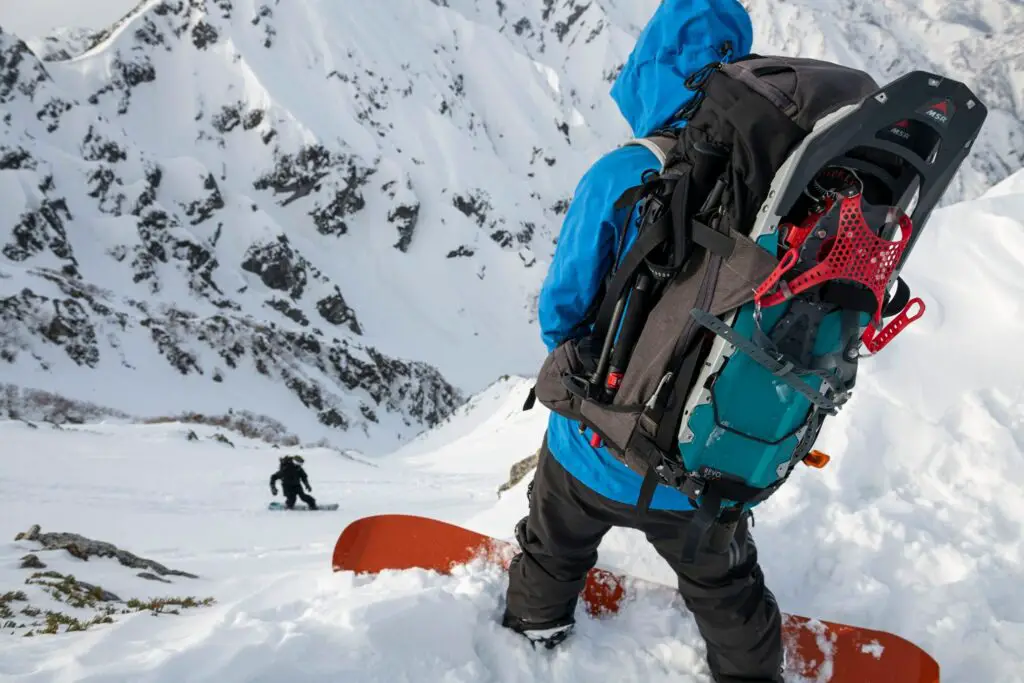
733,325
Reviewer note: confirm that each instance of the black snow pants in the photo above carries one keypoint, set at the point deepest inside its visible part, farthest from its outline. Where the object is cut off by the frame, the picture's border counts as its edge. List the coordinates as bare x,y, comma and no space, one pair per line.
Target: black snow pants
735,612
290,492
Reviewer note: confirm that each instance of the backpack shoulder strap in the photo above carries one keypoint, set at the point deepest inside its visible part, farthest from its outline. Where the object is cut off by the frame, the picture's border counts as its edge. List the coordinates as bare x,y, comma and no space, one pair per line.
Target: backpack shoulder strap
658,145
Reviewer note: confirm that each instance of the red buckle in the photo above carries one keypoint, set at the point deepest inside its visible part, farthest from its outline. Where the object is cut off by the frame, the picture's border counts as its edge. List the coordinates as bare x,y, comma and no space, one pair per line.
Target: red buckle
875,342
787,262
797,234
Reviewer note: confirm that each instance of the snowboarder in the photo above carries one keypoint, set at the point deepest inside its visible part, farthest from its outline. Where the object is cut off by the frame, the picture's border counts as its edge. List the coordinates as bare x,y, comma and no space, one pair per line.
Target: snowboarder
580,492
739,248
292,477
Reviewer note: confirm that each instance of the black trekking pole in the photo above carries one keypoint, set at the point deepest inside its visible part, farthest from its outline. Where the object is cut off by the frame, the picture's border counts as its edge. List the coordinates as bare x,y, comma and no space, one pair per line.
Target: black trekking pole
631,324
615,353
597,378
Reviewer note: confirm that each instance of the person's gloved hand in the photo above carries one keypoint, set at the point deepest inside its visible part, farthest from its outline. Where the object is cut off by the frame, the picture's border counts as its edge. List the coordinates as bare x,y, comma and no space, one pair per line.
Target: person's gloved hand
309,489
273,490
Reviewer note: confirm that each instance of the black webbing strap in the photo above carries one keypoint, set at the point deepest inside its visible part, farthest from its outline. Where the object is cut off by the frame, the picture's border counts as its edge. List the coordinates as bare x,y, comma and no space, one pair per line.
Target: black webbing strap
531,398
651,237
711,507
859,299
632,195
688,229
685,358
650,420
714,241
700,525
899,299
647,488
741,493
643,446
695,485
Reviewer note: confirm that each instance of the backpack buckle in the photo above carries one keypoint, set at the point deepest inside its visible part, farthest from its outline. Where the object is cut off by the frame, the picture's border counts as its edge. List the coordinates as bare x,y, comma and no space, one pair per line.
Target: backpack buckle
693,487
581,387
689,484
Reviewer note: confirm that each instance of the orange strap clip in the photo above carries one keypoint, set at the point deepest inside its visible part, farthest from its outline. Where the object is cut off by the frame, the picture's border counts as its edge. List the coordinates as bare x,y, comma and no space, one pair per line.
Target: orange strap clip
817,459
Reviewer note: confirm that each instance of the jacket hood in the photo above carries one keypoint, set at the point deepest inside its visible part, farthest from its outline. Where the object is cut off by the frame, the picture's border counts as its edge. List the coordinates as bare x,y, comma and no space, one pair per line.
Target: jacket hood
681,37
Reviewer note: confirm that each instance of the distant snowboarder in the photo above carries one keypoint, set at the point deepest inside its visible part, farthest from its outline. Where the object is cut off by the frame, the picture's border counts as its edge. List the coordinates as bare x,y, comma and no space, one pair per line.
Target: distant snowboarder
292,477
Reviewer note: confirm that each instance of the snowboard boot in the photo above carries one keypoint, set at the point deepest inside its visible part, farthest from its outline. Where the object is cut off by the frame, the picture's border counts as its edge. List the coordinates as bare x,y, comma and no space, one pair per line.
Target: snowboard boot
548,634
777,678
733,679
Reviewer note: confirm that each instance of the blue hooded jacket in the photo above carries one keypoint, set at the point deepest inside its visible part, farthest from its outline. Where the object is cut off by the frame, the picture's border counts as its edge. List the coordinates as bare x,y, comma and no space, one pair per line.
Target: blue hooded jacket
681,37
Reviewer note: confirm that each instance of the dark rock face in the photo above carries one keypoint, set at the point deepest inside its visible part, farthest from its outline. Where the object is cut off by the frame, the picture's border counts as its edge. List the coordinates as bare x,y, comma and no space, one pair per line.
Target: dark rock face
31,561
278,267
334,310
518,471
171,223
62,322
83,548
295,359
334,180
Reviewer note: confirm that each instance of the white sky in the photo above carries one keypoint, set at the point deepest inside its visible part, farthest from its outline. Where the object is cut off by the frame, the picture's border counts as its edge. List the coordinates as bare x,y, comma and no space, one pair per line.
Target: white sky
30,18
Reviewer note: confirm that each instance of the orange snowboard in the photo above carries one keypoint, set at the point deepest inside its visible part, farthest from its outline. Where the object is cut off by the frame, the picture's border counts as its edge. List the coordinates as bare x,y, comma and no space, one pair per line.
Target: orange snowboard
825,652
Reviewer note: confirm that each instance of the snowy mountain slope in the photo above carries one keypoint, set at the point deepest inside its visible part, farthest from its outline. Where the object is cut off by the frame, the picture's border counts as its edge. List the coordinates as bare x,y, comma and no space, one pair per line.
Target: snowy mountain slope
298,209
916,526
974,41
286,268
977,42
60,18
